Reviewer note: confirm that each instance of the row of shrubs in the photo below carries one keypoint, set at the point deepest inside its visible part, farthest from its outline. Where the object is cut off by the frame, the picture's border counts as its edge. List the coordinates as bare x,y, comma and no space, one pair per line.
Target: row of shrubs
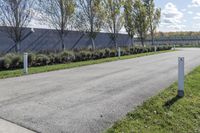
15,61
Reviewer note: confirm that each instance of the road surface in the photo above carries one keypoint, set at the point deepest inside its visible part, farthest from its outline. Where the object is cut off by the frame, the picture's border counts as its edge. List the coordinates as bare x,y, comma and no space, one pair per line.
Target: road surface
88,99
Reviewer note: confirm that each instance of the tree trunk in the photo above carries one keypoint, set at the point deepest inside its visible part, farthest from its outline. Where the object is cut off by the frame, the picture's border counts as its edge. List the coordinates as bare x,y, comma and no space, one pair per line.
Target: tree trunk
142,41
115,42
62,42
17,47
92,35
152,38
93,44
132,43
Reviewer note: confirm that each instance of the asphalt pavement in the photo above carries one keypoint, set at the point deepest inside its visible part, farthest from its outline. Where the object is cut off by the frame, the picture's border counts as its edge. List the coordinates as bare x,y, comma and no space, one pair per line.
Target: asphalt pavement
90,98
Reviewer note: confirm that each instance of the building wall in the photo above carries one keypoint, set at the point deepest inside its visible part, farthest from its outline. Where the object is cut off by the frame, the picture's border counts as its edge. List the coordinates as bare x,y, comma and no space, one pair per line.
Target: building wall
45,39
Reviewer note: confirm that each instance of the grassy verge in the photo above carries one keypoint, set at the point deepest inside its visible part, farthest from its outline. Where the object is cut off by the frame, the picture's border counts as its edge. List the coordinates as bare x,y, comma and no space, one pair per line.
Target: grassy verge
33,70
188,46
166,113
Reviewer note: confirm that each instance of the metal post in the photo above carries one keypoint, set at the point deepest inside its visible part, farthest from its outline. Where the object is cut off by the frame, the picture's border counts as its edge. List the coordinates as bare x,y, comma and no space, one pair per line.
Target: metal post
119,52
155,49
174,47
25,63
181,76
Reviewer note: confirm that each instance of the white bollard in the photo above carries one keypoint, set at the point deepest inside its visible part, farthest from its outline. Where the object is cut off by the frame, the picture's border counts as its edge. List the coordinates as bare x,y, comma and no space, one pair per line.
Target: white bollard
181,76
119,52
25,63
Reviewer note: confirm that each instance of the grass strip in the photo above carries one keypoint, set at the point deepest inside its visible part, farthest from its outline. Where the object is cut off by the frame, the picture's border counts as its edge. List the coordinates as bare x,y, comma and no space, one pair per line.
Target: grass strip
166,113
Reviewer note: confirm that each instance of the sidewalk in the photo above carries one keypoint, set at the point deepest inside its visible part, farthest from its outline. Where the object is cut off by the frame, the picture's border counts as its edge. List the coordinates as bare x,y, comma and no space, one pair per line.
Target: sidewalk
7,127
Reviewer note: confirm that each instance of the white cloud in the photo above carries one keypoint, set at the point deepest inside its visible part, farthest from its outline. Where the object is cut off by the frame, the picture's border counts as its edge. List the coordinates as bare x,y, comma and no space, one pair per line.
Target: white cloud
196,26
197,16
195,3
172,18
184,10
190,12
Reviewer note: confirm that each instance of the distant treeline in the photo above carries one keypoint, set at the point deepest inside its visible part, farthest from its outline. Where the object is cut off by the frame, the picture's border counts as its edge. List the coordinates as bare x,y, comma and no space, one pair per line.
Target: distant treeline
177,34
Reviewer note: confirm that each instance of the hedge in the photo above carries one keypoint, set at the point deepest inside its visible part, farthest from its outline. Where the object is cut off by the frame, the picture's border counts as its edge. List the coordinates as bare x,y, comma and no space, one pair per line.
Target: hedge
15,61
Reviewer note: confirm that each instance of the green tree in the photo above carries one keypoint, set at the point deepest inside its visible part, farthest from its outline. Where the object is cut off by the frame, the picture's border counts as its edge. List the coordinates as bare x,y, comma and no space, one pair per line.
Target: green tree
141,20
89,18
114,20
58,14
129,16
154,15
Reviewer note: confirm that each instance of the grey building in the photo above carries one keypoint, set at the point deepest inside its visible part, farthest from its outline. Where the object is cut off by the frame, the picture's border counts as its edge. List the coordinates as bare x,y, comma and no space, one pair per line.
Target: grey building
48,39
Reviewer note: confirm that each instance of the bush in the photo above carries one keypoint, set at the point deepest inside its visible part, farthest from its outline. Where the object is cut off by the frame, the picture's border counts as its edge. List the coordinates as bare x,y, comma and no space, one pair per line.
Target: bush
124,51
139,49
31,59
113,53
133,50
145,50
150,49
127,51
42,60
99,54
7,62
107,52
66,56
54,59
1,63
83,56
16,61
13,61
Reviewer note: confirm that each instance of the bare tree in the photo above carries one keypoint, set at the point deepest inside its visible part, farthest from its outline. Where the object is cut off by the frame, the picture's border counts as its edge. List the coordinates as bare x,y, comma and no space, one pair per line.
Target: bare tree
114,18
15,16
89,18
58,14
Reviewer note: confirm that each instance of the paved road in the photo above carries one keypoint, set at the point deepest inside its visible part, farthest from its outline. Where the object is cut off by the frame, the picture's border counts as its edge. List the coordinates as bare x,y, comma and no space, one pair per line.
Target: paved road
88,99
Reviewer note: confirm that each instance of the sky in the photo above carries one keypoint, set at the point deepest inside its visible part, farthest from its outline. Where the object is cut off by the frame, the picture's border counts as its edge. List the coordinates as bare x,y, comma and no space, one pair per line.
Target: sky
179,15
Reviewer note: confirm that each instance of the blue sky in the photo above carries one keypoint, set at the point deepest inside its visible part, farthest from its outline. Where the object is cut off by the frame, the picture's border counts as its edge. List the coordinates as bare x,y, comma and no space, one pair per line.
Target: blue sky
179,15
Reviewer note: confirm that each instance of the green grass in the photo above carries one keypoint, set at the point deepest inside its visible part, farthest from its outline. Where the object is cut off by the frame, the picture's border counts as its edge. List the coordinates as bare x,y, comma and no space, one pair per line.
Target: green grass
166,113
34,70
188,46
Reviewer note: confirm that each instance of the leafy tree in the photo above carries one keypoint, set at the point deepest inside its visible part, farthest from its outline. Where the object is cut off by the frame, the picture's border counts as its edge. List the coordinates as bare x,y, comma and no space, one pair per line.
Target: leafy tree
15,16
114,18
130,16
141,20
89,18
154,15
58,14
